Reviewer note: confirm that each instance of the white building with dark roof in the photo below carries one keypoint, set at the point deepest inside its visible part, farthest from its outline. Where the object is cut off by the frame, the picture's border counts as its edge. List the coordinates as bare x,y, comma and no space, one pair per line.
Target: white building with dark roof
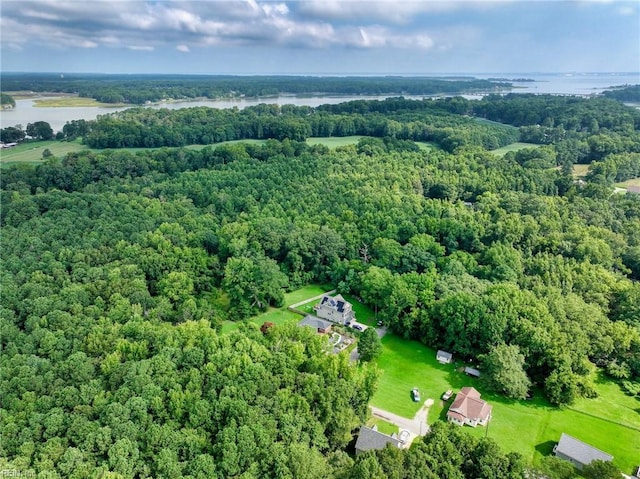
335,309
577,452
443,357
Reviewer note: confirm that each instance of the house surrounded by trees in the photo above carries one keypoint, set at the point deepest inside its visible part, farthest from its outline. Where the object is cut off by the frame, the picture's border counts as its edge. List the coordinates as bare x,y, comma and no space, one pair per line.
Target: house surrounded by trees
335,309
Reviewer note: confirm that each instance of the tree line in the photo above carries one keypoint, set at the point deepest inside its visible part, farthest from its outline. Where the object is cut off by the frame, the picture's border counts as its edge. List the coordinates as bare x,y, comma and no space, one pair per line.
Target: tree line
139,89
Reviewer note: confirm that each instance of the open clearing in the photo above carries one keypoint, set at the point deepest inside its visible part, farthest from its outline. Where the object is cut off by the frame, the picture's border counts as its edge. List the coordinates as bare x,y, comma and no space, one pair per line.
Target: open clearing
631,182
334,141
580,171
513,147
32,152
71,102
610,422
281,315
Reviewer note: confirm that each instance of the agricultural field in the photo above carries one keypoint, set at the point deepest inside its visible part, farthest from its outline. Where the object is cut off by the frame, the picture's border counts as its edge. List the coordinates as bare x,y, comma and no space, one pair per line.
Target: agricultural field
513,147
610,422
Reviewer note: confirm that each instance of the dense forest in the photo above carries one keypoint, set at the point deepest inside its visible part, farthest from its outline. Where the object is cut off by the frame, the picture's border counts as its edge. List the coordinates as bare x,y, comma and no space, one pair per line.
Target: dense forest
118,269
138,89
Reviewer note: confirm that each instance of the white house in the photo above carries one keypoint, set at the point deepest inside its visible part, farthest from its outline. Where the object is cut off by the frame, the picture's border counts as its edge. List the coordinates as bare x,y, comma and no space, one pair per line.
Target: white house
444,357
469,409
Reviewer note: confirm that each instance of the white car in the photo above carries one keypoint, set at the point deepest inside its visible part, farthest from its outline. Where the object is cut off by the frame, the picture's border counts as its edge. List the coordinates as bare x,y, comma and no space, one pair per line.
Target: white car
415,394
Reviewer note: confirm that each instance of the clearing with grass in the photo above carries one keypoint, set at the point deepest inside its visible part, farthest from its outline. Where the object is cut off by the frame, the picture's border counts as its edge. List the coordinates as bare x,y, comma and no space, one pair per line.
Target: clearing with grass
609,422
513,147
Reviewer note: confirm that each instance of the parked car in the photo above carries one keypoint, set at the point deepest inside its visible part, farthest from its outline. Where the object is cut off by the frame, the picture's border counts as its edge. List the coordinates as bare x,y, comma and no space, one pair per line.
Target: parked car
447,395
415,394
348,323
358,327
380,323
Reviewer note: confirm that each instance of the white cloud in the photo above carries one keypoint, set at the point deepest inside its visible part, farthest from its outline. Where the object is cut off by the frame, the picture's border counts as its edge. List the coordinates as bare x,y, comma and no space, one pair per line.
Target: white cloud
141,48
627,10
394,11
183,48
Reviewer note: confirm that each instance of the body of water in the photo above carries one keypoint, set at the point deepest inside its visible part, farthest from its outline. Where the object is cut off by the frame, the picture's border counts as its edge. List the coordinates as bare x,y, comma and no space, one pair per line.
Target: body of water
564,84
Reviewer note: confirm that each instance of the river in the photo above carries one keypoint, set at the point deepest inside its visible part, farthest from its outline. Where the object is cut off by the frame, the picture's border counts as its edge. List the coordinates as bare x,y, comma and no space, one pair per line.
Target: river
556,83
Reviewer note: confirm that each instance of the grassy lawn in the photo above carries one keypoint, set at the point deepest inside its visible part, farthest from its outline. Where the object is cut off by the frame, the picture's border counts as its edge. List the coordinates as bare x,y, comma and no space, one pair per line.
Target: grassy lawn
631,182
334,141
71,101
610,422
281,315
427,145
383,426
580,171
32,152
513,147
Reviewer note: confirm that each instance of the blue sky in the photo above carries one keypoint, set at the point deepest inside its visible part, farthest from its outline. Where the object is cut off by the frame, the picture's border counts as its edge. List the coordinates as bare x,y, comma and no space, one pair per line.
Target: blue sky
320,36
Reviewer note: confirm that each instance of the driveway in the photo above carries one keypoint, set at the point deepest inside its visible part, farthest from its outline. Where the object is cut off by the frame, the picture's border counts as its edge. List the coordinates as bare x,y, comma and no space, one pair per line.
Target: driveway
355,355
417,426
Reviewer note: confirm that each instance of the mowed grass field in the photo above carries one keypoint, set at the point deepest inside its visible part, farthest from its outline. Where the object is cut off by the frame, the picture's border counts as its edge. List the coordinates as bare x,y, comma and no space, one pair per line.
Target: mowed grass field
513,147
334,141
631,182
32,152
71,102
580,171
281,315
610,422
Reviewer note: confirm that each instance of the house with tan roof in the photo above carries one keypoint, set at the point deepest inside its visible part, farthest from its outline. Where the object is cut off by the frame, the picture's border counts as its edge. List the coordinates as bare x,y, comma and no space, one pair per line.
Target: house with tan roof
469,409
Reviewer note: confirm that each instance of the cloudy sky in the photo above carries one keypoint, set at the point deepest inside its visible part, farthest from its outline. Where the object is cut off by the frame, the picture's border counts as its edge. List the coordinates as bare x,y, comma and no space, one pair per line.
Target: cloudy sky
320,36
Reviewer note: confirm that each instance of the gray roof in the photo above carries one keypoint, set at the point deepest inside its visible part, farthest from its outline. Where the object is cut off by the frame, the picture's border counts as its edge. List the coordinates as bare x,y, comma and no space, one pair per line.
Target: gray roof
444,354
314,322
579,451
369,439
472,372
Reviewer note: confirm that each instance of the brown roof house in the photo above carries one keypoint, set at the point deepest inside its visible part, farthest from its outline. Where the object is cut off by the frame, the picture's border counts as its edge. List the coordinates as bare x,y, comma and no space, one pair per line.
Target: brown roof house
469,409
335,309
577,452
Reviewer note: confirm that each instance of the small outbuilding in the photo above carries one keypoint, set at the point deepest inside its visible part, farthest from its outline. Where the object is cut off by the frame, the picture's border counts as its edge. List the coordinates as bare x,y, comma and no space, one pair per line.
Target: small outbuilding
472,372
370,439
577,452
444,357
320,325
